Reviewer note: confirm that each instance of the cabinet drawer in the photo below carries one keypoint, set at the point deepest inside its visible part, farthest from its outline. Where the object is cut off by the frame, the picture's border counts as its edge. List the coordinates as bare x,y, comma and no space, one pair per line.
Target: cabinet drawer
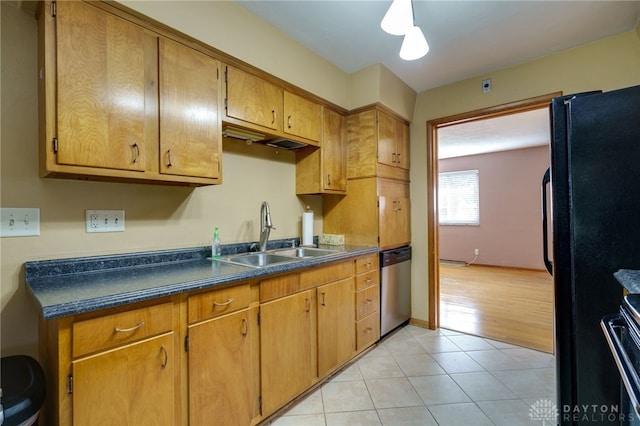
326,274
218,302
367,331
367,302
367,280
120,328
366,264
274,288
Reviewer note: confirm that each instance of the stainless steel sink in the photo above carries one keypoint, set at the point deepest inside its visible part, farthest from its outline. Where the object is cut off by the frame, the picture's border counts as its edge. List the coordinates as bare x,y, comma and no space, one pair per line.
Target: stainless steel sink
305,252
258,260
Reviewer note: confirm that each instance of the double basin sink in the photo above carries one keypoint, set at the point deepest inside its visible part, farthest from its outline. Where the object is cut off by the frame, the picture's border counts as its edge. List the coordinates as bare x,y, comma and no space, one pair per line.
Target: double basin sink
262,259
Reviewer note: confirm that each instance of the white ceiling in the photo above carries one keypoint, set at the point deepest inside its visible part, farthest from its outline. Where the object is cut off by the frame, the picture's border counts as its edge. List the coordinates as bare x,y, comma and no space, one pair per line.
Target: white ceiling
467,38
514,131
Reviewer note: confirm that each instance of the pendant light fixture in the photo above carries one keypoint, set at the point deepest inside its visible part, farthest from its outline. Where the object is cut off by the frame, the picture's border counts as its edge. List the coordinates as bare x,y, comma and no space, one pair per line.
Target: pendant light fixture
399,20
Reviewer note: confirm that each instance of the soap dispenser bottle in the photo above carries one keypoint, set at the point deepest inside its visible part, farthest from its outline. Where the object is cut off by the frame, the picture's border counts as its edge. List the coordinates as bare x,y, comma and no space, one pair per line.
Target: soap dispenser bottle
215,244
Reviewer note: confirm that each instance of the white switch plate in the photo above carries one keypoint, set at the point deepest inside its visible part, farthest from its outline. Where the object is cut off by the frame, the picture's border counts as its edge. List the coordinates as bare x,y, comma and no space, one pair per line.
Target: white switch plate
105,221
20,222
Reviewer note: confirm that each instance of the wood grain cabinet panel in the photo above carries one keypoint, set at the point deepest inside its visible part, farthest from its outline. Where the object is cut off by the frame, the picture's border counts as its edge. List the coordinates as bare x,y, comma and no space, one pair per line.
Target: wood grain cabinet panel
288,336
324,170
302,117
336,333
253,100
190,134
131,385
120,102
221,370
100,89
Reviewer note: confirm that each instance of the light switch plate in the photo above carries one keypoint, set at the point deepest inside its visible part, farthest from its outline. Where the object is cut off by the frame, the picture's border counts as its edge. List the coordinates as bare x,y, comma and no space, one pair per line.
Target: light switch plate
19,222
105,221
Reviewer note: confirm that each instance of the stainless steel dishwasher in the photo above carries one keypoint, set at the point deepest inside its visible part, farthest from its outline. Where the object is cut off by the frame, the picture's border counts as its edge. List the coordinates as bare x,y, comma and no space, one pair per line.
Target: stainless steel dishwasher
395,288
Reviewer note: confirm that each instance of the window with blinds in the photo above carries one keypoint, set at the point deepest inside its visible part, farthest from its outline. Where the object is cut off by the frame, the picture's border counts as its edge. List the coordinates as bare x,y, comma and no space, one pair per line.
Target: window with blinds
458,198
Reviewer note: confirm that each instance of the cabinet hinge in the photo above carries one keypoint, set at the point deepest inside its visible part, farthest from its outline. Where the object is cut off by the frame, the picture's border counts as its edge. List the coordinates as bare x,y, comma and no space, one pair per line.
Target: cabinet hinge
260,404
225,103
53,8
69,384
258,318
186,343
217,73
55,145
225,74
378,203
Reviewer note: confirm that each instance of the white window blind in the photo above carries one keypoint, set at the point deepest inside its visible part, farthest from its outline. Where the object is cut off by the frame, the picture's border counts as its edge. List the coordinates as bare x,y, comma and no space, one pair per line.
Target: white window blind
458,198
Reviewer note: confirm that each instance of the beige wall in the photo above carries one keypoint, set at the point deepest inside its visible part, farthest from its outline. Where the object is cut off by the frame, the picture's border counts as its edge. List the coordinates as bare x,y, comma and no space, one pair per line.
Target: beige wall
606,64
509,233
159,217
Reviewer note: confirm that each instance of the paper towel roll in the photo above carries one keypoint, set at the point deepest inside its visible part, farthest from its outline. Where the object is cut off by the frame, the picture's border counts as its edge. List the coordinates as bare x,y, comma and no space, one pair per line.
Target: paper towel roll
307,228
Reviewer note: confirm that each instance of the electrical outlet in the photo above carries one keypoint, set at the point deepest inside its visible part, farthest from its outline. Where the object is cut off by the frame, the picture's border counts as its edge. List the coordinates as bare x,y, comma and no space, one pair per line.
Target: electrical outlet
105,221
486,85
20,222
477,252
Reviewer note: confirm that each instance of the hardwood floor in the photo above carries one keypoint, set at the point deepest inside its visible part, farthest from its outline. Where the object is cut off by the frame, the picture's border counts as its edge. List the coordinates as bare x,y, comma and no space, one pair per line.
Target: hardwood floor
510,305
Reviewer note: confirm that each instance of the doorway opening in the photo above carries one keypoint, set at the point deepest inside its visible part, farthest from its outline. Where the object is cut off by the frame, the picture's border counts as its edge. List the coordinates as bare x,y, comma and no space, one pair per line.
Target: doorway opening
433,243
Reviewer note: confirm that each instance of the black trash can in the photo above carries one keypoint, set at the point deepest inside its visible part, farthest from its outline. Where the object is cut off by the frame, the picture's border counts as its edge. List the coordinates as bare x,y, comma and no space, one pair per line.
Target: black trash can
23,390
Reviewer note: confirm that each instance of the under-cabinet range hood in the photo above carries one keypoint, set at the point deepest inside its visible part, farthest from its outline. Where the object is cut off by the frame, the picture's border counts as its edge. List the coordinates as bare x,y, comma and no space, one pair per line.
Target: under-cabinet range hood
285,143
251,136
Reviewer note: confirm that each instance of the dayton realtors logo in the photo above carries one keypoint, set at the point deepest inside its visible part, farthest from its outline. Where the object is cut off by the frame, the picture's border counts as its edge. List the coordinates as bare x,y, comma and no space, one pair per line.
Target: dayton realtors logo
544,410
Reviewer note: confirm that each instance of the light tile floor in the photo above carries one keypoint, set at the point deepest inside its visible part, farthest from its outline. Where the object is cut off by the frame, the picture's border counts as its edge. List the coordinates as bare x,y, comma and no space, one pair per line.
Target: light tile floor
432,377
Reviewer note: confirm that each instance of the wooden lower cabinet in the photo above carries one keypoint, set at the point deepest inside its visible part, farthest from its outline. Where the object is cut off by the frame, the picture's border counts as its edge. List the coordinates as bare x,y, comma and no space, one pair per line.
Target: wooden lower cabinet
131,385
287,348
231,355
221,370
336,337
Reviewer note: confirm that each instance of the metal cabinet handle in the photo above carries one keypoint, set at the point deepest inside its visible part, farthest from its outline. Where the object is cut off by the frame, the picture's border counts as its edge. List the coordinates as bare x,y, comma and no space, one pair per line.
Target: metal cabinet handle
274,115
368,301
368,280
368,330
323,301
228,302
394,158
125,330
245,327
328,180
307,305
137,148
397,157
289,121
169,158
166,357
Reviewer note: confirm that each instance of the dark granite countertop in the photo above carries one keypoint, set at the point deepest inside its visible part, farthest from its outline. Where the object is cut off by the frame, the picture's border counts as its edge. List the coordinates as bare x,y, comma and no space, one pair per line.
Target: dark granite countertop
630,280
65,287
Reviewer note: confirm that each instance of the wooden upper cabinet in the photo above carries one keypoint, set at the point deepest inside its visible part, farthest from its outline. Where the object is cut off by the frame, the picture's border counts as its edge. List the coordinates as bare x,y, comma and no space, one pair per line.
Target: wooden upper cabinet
324,170
190,134
334,152
100,89
302,117
253,100
378,145
120,102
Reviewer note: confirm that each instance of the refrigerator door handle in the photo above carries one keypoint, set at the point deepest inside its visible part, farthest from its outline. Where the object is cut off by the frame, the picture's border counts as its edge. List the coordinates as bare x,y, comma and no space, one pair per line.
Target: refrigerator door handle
546,180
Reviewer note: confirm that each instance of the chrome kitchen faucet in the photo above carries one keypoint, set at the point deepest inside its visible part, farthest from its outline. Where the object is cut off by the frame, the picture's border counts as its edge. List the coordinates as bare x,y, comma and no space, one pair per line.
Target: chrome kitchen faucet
265,225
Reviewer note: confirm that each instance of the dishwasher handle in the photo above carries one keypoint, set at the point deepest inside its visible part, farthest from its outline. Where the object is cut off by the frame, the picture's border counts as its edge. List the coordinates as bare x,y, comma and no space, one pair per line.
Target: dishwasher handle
393,256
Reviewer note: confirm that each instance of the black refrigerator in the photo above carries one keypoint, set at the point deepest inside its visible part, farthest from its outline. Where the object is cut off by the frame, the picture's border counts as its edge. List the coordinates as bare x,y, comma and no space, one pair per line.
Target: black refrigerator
595,223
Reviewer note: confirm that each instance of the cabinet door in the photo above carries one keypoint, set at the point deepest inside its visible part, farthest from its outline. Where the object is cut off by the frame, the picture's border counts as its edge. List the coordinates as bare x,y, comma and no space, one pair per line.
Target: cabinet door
402,146
336,325
221,372
288,344
253,99
131,385
386,139
334,152
189,120
100,89
395,213
302,117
